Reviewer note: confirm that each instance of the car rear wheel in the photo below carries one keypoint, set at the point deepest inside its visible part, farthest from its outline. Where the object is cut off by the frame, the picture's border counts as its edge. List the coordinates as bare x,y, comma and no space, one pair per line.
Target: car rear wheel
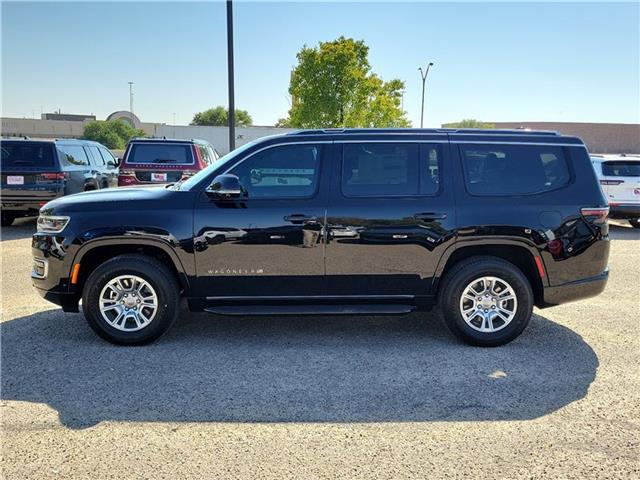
131,300
486,301
635,222
7,219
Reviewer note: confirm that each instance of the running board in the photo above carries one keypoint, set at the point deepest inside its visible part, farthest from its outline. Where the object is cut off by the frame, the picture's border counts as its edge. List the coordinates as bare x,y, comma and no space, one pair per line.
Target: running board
249,310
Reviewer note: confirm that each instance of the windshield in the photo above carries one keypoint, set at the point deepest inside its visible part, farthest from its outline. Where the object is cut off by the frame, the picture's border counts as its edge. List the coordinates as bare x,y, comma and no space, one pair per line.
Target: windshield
621,168
219,164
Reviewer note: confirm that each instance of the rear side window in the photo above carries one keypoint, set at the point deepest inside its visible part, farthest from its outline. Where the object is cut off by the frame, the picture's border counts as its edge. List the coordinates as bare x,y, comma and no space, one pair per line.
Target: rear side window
26,154
161,153
514,169
621,168
390,169
73,155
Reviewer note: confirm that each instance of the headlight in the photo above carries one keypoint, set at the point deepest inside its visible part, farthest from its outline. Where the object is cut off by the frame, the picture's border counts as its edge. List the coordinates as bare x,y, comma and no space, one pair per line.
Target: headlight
51,224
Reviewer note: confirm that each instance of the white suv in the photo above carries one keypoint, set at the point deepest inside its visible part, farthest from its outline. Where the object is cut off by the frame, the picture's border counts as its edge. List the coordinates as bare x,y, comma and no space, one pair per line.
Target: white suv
619,177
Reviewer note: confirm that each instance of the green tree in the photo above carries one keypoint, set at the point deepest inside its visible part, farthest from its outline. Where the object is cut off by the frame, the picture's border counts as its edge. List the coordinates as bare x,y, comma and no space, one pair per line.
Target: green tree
469,123
333,86
113,134
219,117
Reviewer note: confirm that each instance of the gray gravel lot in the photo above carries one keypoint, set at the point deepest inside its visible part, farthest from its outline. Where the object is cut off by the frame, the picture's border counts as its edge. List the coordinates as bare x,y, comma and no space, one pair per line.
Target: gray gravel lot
322,397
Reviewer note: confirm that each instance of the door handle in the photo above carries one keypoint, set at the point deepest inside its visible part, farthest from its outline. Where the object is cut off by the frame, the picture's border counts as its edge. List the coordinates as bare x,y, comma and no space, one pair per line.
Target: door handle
297,218
430,216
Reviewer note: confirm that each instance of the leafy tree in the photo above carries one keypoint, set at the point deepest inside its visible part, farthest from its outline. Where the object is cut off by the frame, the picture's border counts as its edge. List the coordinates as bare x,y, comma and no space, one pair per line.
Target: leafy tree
469,123
219,117
333,86
113,134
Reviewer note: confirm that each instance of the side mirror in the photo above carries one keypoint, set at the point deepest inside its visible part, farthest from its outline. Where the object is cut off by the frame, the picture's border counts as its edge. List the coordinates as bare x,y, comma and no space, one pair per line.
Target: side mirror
117,162
225,187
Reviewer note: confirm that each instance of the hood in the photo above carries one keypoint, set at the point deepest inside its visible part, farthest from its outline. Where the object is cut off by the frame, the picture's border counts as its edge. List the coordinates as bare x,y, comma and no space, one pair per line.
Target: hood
109,198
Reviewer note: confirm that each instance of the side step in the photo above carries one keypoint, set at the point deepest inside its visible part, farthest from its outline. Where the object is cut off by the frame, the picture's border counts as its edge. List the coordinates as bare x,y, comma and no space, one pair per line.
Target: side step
249,310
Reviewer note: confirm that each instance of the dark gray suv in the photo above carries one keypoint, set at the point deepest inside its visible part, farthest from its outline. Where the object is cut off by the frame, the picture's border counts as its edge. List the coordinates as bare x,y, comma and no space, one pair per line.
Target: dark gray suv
37,171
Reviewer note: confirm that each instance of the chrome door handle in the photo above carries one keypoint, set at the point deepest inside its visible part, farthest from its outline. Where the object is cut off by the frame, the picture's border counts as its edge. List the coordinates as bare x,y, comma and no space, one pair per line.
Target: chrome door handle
298,218
430,216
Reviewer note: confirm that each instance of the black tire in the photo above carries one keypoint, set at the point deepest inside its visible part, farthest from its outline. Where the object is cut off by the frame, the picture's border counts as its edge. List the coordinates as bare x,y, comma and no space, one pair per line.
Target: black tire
7,219
635,223
465,272
152,271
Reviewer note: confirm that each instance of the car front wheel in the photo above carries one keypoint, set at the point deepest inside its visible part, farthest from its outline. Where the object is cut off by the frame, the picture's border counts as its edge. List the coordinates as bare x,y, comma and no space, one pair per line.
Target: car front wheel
486,301
131,300
635,222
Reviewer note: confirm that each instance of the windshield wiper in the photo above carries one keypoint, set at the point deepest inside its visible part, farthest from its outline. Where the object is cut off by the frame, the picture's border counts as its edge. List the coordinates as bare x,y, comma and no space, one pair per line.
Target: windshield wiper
164,160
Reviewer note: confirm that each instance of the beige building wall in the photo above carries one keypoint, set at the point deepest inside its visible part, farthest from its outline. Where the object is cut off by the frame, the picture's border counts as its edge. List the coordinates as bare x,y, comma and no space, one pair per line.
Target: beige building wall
599,137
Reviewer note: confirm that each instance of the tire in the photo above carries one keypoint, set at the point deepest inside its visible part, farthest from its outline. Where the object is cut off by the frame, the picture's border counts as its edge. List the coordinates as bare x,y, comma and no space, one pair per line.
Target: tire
7,219
635,223
160,282
471,270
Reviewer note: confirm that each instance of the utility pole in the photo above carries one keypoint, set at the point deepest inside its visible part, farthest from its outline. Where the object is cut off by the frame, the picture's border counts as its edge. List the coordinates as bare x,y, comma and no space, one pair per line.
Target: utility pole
423,75
131,97
232,107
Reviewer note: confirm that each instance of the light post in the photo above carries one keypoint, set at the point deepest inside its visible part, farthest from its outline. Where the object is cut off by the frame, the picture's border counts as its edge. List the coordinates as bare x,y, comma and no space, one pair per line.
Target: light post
423,74
232,107
131,97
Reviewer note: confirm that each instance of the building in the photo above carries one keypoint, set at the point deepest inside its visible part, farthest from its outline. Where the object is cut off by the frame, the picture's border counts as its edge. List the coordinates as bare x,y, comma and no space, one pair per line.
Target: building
599,137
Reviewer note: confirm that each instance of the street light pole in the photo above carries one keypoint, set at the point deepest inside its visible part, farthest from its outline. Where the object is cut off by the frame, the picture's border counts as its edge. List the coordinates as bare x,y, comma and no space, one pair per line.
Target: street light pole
423,75
131,97
232,108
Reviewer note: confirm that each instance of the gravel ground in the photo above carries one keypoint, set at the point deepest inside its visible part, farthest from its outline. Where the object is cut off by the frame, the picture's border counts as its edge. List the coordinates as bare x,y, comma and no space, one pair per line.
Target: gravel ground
330,397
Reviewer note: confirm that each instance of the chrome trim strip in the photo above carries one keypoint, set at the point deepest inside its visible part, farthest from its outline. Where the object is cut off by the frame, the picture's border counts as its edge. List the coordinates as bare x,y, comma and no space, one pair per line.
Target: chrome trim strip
315,297
547,144
444,140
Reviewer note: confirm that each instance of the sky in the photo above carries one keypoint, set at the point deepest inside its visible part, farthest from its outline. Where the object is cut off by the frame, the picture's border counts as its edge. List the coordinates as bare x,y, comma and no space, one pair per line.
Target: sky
503,61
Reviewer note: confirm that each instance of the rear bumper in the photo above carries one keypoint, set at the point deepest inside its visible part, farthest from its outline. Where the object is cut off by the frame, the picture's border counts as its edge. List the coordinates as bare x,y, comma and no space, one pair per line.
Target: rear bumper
624,211
25,206
576,290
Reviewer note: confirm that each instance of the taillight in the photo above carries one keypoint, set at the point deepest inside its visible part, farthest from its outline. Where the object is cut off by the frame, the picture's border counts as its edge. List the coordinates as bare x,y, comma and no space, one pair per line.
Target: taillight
611,182
53,176
127,177
595,215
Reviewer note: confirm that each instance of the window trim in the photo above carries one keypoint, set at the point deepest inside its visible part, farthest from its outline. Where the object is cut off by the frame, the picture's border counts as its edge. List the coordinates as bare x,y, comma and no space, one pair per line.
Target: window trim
528,194
420,144
262,199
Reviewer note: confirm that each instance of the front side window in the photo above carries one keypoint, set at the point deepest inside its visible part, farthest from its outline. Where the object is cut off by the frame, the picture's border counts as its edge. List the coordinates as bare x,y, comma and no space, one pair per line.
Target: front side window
514,169
97,158
390,169
287,171
108,158
73,154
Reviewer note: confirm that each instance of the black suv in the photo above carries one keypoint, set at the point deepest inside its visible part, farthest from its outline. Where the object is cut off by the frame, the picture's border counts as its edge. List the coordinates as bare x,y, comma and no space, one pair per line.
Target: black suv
36,171
486,224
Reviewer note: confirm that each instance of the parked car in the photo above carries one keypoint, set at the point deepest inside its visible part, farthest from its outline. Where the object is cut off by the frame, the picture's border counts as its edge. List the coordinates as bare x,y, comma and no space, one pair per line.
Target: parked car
36,171
485,224
619,177
162,161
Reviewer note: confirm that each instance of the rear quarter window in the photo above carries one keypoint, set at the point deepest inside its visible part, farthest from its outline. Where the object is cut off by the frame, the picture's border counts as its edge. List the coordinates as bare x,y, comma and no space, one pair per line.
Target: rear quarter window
26,154
161,153
514,169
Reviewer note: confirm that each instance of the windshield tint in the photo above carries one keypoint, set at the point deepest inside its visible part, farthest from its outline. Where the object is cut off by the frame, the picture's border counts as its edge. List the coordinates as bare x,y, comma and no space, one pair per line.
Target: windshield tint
27,154
621,168
219,164
161,153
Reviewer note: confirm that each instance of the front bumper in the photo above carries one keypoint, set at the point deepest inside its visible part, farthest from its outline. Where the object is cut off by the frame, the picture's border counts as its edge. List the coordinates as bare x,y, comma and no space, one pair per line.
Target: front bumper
624,211
576,290
68,301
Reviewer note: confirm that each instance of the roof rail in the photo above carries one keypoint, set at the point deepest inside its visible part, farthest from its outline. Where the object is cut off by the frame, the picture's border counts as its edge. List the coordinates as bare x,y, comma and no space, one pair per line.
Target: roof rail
477,131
